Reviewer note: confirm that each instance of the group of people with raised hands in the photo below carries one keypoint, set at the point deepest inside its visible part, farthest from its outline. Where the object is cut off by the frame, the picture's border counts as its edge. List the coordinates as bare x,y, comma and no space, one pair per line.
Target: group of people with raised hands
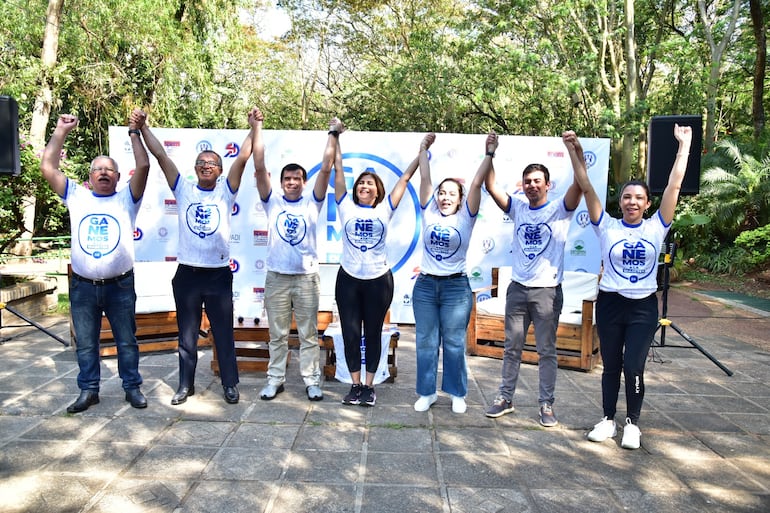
626,312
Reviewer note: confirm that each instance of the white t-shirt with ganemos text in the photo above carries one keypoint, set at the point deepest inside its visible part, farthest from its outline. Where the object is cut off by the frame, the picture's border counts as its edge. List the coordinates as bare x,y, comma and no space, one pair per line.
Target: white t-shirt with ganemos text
364,231
102,231
204,223
538,242
445,239
630,255
291,247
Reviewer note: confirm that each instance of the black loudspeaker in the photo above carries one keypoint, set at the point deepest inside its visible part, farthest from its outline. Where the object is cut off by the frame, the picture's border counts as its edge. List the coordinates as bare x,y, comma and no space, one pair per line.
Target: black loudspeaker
10,164
661,153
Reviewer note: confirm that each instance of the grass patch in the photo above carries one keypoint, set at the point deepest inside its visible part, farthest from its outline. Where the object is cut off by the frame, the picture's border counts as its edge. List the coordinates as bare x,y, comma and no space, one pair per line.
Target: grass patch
62,304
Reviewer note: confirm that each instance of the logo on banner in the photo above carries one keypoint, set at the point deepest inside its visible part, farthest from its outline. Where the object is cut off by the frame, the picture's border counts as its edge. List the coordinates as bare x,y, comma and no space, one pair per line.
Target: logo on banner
533,238
583,218
260,237
590,158
407,300
138,233
487,245
578,248
232,150
236,209
476,274
162,232
98,235
203,220
234,265
628,259
171,147
259,265
170,207
406,221
235,238
203,146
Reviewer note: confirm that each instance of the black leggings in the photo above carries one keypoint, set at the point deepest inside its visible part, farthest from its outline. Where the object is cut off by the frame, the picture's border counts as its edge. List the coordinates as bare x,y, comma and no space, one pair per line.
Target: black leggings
367,302
626,328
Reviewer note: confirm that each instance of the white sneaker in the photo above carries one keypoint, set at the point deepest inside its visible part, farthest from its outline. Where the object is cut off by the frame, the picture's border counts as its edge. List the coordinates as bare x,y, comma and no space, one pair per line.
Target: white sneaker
605,429
631,436
458,404
425,402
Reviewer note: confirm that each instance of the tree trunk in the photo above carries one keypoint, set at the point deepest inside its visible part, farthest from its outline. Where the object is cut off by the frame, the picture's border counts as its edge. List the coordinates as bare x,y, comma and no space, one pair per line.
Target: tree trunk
760,38
715,72
41,113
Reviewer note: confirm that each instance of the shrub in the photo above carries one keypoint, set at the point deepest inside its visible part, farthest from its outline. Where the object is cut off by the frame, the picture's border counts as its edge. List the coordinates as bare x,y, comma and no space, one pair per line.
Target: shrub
757,244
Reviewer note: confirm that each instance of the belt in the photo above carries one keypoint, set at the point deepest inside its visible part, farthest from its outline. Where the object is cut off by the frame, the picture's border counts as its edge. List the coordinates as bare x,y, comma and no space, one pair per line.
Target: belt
104,281
446,277
203,269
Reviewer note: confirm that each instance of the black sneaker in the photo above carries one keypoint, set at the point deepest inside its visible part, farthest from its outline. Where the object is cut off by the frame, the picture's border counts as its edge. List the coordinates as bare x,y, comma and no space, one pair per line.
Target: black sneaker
354,396
368,397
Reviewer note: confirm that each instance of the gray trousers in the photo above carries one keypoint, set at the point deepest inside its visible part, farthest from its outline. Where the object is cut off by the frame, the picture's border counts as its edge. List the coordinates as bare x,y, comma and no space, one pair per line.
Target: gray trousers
540,306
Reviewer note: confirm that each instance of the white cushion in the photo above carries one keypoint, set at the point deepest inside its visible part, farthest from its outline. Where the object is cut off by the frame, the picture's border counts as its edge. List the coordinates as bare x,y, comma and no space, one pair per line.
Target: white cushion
328,278
152,282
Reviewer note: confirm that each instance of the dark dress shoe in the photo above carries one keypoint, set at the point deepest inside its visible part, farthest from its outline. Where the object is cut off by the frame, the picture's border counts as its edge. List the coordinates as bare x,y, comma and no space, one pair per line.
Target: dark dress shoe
136,398
181,395
84,401
231,395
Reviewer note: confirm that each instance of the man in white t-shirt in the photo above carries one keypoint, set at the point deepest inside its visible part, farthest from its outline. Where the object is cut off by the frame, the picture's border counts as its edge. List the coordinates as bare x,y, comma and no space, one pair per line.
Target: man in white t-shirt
534,295
292,283
203,275
102,221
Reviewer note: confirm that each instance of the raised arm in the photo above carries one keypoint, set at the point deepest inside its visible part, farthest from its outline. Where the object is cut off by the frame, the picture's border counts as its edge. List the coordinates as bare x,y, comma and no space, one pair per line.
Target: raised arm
502,199
426,185
235,174
474,192
580,173
156,148
400,188
49,164
668,202
264,188
138,181
340,188
336,127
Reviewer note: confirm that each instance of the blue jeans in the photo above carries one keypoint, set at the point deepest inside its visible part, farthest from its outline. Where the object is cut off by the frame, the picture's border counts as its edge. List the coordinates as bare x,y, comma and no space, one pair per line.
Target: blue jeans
118,301
193,287
540,306
442,309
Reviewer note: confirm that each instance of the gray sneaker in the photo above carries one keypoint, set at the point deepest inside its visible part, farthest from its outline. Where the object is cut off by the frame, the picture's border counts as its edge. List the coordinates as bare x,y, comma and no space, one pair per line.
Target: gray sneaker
547,417
314,393
500,407
269,392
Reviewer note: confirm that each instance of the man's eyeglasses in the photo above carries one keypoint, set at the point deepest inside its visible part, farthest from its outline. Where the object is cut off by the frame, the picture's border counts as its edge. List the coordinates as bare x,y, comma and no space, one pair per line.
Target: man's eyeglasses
206,163
102,169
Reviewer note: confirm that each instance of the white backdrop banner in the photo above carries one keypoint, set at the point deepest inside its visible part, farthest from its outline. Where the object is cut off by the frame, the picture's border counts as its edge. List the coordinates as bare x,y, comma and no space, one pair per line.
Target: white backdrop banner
387,154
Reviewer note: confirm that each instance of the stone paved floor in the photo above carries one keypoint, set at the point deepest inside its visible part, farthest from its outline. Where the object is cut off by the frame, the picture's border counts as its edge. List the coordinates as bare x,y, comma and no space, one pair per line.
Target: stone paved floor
705,443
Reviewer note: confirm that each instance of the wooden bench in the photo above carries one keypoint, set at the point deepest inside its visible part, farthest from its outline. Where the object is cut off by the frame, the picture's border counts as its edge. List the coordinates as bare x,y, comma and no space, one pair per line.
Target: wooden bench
251,343
577,342
156,325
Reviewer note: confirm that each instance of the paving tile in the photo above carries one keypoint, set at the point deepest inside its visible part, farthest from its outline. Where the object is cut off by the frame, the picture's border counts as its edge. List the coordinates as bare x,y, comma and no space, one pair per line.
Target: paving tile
315,498
229,496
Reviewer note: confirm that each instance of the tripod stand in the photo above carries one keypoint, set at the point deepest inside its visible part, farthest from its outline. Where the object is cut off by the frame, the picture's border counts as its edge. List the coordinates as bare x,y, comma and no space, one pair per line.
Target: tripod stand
30,323
664,322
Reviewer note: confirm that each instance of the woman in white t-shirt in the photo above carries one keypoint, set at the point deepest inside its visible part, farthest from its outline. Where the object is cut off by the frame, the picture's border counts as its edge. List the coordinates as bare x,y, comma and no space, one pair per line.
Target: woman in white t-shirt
442,297
364,288
627,305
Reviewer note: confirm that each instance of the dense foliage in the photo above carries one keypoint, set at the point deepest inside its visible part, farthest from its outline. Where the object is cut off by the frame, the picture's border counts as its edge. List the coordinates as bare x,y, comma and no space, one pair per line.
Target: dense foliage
514,66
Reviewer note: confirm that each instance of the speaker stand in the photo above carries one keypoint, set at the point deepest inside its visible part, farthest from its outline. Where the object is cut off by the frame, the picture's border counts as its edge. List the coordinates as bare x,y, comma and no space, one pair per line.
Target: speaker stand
665,322
30,324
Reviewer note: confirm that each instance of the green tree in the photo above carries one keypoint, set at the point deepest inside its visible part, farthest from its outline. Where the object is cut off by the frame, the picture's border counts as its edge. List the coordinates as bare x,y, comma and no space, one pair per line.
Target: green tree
737,198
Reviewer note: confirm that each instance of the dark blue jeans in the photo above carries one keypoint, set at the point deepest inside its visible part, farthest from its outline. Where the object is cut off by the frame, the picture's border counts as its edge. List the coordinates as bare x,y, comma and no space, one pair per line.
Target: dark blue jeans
118,301
193,287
